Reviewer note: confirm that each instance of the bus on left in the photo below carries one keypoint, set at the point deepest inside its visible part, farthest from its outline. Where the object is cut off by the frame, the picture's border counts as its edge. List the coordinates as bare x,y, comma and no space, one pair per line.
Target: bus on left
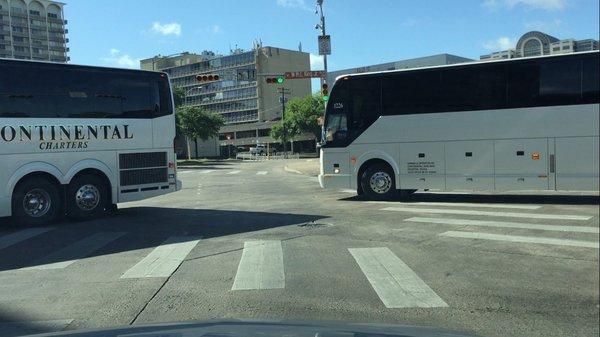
77,140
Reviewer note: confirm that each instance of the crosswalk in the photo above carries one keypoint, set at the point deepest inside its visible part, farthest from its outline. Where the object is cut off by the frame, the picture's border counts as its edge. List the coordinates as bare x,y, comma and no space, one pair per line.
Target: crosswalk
186,173
262,263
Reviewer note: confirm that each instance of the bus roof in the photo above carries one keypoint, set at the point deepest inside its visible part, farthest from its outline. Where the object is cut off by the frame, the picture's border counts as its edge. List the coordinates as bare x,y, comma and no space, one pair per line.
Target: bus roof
466,64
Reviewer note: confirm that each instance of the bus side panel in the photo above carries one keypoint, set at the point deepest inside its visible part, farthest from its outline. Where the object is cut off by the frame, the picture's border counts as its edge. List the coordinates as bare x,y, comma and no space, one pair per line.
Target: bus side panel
521,164
422,166
470,165
577,165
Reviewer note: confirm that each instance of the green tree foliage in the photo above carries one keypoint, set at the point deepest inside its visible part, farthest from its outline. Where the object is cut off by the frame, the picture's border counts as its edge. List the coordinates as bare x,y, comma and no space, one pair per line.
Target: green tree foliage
194,122
301,116
178,96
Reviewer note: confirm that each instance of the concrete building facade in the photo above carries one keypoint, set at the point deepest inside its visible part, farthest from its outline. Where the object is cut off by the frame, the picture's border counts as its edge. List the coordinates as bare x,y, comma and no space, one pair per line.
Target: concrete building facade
249,104
536,43
427,61
33,30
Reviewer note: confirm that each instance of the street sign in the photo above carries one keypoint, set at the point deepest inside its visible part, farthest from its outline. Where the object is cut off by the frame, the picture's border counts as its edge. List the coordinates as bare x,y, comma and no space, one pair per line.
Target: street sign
303,74
324,45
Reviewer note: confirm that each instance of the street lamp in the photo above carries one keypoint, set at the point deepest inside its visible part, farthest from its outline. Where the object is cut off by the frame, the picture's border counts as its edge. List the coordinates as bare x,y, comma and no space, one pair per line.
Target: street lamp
228,146
192,89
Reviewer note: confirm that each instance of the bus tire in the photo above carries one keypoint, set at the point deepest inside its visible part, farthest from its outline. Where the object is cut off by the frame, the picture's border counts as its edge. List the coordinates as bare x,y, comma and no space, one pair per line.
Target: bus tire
378,182
36,201
87,197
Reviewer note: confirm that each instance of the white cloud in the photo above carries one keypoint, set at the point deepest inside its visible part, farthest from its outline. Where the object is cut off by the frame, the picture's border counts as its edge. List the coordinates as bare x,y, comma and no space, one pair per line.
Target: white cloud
501,43
116,59
298,4
544,26
316,62
548,5
172,28
216,29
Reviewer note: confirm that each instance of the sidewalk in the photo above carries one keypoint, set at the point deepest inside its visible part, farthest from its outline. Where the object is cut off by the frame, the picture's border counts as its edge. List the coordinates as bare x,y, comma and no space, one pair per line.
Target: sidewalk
303,166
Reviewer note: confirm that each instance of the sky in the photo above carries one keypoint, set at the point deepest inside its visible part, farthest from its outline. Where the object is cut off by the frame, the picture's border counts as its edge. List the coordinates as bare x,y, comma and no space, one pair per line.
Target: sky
363,32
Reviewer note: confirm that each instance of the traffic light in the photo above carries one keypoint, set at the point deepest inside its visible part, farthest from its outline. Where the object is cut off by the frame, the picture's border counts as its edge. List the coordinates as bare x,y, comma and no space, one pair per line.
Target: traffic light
325,92
275,80
207,78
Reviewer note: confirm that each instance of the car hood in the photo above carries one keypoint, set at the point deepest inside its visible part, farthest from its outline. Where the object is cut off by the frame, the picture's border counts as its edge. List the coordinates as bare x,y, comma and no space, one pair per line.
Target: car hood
263,328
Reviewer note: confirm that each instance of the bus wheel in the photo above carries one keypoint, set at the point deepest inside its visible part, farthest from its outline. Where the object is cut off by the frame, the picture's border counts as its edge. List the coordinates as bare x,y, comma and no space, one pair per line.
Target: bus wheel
87,197
36,201
378,182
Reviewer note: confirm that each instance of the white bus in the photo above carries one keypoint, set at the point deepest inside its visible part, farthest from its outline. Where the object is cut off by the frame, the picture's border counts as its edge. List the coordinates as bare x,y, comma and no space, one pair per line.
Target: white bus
76,140
522,124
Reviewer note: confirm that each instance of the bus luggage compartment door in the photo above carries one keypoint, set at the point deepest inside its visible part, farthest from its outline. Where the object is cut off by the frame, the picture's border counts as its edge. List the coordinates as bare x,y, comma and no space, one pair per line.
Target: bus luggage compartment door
521,164
422,166
577,163
470,165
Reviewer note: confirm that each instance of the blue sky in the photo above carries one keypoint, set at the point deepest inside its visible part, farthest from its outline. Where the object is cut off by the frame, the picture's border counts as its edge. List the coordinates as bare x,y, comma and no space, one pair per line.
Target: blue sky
119,33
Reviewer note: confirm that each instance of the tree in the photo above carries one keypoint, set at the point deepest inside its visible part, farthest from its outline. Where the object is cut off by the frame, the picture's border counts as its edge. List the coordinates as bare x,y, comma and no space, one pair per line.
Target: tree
301,116
194,122
178,96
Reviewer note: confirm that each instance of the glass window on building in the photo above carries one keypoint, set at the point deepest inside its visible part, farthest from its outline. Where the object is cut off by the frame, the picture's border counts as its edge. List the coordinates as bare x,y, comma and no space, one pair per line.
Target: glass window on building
532,47
246,134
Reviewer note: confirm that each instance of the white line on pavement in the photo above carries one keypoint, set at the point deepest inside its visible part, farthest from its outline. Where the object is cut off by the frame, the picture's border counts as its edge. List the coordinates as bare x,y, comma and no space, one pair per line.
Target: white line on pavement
501,224
523,239
348,191
164,259
457,204
206,171
261,173
261,266
78,250
394,282
234,172
14,238
498,214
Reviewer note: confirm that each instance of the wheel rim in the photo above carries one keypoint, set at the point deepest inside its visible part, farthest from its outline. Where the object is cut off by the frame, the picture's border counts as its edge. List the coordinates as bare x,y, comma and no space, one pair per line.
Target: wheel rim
37,203
87,197
380,182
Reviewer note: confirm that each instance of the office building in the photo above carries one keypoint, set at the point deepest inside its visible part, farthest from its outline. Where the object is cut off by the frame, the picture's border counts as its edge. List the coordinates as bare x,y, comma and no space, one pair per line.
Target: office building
537,43
427,61
249,104
33,30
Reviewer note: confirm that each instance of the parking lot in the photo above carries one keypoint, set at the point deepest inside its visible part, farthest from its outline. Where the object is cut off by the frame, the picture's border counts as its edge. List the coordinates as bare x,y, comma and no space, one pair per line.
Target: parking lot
262,240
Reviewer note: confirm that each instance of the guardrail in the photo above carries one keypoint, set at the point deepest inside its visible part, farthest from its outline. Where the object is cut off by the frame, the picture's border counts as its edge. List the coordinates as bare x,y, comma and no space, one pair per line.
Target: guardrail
279,155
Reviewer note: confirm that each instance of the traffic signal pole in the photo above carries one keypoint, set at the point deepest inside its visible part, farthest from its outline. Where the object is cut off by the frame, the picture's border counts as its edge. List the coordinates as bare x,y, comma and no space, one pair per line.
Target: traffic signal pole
283,91
320,4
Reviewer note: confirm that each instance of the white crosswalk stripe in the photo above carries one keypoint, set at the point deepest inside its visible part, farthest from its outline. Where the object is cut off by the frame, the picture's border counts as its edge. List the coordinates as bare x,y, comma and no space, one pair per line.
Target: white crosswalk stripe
206,171
394,282
350,191
487,213
457,204
16,237
261,266
164,259
501,224
234,172
262,173
72,253
521,239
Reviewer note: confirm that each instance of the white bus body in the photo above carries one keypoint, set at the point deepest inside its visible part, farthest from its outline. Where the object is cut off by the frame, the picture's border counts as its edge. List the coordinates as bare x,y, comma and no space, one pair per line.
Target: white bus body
128,152
553,147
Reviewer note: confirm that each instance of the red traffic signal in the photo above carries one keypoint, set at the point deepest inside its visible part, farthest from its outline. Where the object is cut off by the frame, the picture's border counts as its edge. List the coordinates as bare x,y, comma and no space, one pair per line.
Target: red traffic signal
207,78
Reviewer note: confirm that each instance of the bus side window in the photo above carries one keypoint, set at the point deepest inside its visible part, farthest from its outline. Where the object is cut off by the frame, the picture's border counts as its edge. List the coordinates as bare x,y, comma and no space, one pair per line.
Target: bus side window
136,95
366,102
27,92
590,80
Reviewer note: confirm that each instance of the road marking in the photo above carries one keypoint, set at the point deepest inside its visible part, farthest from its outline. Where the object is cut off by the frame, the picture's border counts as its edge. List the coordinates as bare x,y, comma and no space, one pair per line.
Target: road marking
164,259
207,171
465,222
348,191
523,239
22,328
498,214
261,173
394,282
457,204
16,237
234,172
74,252
287,169
261,266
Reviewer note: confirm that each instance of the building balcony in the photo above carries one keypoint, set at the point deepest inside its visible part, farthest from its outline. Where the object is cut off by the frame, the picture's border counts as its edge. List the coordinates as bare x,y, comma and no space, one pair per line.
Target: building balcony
60,49
18,14
224,100
57,30
21,34
3,12
212,70
197,84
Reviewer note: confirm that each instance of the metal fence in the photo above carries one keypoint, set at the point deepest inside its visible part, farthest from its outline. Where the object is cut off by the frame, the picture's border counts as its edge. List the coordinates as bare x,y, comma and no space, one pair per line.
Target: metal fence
279,155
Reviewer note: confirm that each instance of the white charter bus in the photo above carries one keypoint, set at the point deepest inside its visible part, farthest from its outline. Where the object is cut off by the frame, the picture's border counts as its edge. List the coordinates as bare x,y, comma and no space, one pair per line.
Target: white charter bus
521,124
75,140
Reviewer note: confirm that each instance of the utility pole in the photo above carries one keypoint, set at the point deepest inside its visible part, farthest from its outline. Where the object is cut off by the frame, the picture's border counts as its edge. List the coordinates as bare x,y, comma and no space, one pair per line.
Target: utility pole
283,91
322,27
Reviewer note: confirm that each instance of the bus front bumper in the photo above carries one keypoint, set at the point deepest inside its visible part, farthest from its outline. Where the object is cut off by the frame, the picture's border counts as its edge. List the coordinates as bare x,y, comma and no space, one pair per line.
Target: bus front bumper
334,180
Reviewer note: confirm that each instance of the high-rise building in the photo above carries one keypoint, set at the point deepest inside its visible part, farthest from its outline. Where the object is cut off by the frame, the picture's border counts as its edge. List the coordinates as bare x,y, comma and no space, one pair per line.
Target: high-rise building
536,43
249,104
33,30
419,62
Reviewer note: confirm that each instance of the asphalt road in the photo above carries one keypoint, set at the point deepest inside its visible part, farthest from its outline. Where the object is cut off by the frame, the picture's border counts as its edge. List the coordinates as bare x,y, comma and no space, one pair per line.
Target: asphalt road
252,240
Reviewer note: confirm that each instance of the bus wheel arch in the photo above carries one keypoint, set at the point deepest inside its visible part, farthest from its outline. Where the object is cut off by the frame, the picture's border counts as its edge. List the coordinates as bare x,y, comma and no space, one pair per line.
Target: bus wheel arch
380,170
88,194
36,199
